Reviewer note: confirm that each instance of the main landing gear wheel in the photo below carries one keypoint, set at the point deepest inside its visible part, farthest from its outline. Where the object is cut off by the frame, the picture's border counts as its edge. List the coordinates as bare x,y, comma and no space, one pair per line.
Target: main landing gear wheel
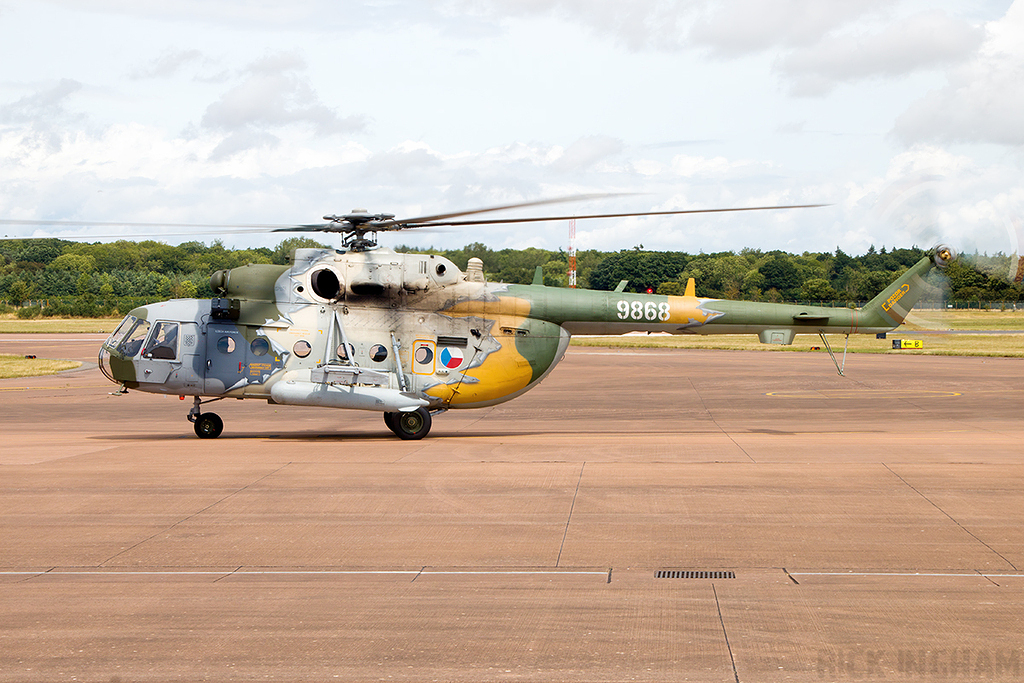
389,420
209,426
410,426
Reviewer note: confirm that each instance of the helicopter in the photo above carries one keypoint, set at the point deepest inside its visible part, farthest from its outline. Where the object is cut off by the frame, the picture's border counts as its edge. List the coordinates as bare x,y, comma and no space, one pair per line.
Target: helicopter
411,336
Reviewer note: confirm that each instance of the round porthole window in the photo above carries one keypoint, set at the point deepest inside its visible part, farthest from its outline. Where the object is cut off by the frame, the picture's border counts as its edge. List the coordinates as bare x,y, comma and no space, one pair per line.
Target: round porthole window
302,348
226,345
378,352
424,355
259,346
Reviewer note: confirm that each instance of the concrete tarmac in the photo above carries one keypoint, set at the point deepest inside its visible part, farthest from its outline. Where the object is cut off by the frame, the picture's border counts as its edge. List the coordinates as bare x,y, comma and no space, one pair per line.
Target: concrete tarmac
872,523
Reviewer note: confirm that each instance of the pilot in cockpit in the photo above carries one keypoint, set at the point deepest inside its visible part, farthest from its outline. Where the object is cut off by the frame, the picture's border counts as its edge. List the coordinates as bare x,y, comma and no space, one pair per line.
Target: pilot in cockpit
164,345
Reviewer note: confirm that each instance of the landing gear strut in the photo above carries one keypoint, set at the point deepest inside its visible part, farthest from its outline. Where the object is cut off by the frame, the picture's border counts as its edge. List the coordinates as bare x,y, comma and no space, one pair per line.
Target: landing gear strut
207,425
839,368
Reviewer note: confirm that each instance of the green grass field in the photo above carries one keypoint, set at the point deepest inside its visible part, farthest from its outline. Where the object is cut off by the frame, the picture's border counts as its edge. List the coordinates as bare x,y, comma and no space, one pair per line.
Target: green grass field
934,345
19,366
9,324
966,320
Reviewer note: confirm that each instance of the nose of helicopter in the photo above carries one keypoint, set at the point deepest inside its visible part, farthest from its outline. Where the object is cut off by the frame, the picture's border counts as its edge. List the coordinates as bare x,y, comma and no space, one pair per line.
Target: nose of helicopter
120,350
113,368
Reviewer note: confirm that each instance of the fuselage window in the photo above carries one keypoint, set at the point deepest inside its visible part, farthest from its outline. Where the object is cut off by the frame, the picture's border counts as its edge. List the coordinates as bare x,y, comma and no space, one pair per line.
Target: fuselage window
302,348
424,355
378,352
259,346
163,344
226,344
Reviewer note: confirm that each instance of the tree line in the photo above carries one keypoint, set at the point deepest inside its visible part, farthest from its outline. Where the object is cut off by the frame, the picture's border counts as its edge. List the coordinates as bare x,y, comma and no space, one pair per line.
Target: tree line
60,278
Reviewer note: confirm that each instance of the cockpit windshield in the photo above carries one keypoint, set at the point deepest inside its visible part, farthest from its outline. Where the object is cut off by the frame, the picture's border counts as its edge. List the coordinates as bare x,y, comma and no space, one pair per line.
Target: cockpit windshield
128,337
122,329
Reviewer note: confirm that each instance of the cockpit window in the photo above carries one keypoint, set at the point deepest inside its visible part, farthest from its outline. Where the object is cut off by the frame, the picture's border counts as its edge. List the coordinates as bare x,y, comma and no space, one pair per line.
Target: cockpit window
132,343
163,344
126,325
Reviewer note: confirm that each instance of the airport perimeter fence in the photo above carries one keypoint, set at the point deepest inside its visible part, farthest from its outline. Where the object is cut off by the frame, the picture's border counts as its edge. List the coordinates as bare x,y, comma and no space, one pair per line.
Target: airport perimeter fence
951,304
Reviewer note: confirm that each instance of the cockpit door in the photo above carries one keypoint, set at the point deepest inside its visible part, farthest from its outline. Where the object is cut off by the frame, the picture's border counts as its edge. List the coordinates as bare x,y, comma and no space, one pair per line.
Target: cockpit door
160,355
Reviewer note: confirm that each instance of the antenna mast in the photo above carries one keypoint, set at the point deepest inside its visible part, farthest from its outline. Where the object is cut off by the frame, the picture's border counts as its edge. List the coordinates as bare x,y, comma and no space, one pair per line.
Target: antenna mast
572,252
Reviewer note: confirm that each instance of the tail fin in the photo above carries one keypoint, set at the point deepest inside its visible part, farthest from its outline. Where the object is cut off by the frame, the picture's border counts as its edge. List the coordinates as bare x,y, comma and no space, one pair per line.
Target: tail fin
891,307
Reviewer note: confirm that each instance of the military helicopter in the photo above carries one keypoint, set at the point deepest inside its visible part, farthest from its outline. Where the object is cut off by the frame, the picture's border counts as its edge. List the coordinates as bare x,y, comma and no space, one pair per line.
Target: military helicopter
412,336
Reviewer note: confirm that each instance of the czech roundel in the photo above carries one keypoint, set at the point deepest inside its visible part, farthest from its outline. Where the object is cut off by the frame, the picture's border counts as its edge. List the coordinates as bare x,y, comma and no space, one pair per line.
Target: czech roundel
451,357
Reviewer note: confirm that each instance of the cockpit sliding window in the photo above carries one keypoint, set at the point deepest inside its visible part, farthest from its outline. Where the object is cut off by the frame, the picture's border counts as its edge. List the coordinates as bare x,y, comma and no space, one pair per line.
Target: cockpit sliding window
163,343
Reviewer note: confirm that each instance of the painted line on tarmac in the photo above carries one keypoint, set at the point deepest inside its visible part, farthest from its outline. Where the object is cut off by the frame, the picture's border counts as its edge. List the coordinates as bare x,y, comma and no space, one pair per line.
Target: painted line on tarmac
972,575
311,572
84,386
866,393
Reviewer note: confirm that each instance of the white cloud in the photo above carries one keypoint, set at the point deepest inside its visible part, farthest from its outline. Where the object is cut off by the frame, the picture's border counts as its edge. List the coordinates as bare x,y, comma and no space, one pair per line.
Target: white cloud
930,195
397,164
586,152
307,15
982,100
168,64
716,168
638,24
815,44
43,107
273,94
736,27
927,40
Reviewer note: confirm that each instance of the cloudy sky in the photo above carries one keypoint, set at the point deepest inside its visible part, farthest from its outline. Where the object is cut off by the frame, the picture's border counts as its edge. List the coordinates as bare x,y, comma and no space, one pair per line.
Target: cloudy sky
904,116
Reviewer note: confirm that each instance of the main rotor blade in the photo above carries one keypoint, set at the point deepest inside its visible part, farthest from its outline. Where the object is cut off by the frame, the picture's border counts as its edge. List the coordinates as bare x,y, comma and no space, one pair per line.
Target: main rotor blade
318,227
211,229
399,223
437,220
495,221
125,224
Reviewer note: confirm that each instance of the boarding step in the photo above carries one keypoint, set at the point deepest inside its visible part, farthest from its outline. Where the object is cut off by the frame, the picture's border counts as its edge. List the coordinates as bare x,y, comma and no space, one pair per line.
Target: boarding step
336,373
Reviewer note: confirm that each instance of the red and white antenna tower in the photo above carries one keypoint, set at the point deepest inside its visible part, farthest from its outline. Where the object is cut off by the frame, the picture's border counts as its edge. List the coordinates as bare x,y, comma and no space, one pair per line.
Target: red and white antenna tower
572,252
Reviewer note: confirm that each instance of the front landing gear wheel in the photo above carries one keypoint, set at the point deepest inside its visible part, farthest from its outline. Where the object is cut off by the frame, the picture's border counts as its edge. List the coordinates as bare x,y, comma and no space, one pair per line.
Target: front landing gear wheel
209,426
412,425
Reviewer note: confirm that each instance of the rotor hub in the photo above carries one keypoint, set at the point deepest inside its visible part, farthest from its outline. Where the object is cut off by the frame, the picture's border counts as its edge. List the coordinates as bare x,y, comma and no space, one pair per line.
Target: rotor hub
943,255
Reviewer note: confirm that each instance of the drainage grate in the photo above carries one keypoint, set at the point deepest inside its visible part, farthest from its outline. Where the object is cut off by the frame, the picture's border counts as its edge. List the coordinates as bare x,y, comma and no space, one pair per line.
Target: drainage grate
690,574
